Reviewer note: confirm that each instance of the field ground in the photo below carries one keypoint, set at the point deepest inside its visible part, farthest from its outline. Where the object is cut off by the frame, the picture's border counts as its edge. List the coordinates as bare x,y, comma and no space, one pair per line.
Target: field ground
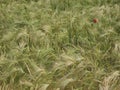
59,44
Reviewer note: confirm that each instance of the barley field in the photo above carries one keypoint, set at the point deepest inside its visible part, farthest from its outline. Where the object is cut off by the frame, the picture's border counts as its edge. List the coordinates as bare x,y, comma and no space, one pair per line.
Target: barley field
59,44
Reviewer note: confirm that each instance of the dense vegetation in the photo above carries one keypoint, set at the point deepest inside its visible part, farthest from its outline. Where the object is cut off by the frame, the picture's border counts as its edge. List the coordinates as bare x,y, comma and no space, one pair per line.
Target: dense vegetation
59,44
